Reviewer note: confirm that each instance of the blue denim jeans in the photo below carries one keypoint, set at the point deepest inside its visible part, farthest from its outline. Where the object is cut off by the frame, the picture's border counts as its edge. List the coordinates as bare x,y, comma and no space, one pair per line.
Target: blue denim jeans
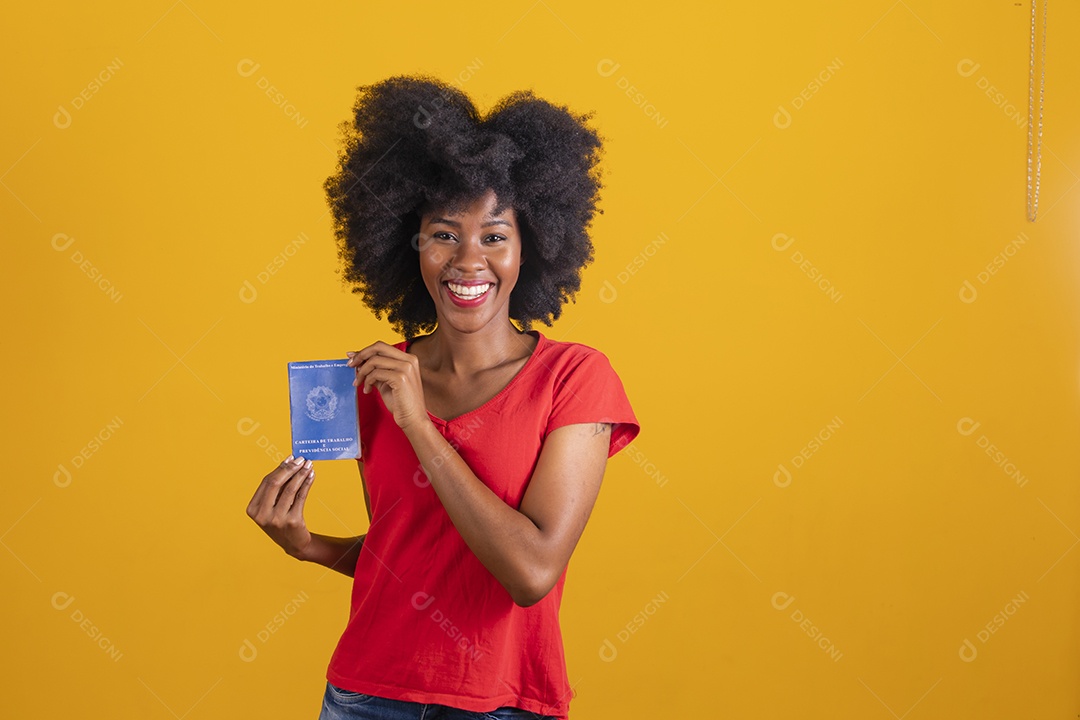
341,704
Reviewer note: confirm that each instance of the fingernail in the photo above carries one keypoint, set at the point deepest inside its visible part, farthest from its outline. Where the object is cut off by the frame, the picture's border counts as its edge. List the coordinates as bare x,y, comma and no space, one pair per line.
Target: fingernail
288,458
299,461
308,464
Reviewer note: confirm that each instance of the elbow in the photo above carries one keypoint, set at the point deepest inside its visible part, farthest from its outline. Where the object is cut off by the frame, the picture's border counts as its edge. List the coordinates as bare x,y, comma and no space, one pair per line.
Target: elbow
533,586
526,599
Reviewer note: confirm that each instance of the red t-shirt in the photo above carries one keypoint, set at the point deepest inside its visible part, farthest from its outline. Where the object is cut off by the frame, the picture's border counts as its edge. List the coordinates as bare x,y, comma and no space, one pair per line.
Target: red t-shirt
428,622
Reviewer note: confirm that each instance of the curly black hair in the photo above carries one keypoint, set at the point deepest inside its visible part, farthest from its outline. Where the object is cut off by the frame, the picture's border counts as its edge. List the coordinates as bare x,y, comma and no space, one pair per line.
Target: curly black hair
417,143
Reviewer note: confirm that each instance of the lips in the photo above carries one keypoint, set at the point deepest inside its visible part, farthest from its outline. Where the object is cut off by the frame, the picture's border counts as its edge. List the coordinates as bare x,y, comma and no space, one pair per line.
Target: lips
468,293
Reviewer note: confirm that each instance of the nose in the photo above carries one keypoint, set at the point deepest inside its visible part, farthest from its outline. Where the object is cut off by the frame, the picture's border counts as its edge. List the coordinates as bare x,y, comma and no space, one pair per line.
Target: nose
469,256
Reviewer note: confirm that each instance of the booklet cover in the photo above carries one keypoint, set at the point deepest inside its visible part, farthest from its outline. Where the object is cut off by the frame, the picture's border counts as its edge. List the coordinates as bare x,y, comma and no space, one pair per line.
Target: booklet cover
322,400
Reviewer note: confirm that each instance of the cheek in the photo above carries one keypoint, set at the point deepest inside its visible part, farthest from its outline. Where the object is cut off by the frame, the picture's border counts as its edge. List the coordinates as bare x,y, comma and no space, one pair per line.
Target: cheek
432,260
509,255
509,268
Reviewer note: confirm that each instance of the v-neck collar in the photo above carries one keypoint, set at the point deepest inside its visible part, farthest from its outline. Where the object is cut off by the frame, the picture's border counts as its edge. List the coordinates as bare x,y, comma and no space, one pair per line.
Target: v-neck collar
540,340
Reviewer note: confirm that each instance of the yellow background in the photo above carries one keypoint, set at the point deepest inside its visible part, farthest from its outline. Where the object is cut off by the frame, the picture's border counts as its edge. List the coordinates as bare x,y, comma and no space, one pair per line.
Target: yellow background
897,537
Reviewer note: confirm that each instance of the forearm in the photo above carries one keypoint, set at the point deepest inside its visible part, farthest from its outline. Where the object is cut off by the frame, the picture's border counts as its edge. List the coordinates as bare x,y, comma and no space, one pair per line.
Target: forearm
336,553
505,541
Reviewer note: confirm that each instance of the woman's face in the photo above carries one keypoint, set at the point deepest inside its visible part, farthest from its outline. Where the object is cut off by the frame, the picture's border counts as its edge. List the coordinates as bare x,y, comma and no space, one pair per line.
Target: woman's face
462,253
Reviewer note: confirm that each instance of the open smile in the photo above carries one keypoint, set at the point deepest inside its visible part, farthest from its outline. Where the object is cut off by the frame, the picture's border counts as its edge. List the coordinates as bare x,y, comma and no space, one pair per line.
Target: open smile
467,295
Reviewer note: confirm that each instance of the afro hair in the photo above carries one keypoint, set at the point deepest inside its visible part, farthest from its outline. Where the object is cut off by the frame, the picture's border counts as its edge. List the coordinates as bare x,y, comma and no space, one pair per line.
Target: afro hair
417,143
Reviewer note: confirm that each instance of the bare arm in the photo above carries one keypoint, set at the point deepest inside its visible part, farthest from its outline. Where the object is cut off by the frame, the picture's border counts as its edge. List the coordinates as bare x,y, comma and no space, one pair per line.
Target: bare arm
526,549
336,553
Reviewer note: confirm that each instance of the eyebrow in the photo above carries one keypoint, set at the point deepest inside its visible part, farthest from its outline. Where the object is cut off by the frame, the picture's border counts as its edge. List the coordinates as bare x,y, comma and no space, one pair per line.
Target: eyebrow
454,223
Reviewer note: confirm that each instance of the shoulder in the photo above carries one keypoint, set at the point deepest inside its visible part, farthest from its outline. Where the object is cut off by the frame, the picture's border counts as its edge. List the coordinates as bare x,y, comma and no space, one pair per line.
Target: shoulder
569,349
586,389
574,357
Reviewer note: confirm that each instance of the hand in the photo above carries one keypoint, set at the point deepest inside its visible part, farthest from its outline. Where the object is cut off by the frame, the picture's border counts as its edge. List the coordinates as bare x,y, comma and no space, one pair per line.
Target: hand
278,505
396,375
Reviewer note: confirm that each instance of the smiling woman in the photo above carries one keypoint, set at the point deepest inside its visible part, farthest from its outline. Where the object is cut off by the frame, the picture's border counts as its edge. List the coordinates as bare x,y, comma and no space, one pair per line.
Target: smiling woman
485,444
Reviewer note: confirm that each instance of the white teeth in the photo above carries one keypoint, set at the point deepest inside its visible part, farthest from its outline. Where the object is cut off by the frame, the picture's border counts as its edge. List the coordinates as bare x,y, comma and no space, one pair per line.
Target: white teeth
469,292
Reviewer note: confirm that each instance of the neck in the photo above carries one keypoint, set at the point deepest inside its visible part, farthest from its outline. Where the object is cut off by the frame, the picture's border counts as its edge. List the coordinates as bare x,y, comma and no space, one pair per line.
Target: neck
468,353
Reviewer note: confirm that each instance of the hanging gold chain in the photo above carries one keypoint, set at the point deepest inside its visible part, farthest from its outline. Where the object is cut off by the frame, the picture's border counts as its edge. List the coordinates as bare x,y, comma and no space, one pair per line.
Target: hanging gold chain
1036,156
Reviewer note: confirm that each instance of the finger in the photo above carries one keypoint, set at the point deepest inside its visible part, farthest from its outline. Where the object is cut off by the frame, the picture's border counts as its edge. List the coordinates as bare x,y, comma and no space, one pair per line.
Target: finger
356,357
359,356
267,494
378,377
297,509
260,492
287,495
395,364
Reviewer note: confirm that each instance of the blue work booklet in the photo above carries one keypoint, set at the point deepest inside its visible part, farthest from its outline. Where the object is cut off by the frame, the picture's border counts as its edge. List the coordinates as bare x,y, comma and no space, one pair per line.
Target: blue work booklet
322,400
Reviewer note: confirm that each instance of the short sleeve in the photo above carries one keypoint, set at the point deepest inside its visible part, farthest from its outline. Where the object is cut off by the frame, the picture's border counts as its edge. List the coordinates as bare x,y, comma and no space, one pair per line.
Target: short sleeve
591,392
